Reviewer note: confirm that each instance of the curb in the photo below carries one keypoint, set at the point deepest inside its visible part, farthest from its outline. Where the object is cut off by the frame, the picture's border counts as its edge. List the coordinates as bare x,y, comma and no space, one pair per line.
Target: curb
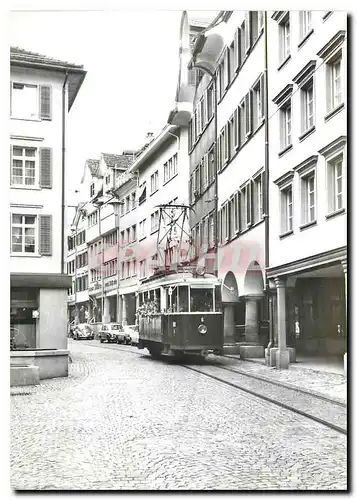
288,385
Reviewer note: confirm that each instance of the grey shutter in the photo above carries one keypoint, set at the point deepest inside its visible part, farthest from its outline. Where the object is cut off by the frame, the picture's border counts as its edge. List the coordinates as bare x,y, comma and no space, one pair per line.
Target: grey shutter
46,167
247,31
236,50
11,163
45,102
249,203
248,108
10,98
262,93
45,234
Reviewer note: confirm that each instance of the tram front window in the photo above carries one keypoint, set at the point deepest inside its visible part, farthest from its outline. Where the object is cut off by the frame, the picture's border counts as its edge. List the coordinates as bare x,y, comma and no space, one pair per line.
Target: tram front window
201,300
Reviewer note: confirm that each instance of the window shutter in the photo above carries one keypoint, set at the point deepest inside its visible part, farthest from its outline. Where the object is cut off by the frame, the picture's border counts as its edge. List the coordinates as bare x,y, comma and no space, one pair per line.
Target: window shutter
262,94
45,102
247,30
45,236
226,143
249,202
248,100
10,98
263,187
46,167
218,153
11,163
205,169
236,50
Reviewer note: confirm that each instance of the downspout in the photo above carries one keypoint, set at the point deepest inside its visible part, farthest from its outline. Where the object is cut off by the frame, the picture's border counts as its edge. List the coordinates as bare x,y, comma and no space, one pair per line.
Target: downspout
178,163
214,76
63,168
266,186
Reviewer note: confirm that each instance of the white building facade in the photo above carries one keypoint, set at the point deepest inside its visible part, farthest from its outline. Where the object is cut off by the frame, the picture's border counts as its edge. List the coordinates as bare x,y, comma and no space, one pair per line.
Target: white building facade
308,172
43,91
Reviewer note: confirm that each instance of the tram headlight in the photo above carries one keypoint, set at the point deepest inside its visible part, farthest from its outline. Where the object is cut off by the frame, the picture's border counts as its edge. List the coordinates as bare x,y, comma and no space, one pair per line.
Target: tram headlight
202,329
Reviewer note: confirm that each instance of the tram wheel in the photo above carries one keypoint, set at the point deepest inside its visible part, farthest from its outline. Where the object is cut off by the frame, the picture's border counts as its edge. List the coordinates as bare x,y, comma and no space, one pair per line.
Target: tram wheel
155,353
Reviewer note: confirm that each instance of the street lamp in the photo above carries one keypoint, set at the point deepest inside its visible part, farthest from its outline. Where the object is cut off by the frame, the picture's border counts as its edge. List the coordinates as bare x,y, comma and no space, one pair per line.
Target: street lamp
116,207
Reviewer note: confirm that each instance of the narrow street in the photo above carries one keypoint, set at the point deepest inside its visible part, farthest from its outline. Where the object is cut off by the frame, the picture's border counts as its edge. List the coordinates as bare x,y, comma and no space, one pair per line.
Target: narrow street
122,421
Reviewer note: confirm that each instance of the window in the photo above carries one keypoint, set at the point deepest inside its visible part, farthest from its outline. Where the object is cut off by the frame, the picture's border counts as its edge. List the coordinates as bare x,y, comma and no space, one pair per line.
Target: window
335,183
155,221
305,23
232,135
24,101
170,168
127,234
122,276
133,267
211,165
285,125
242,42
258,197
308,112
93,218
257,102
107,179
332,53
210,102
142,193
154,181
284,38
286,200
91,190
211,231
127,204
242,115
231,72
133,200
143,270
122,237
308,202
245,206
256,24
23,234
24,161
133,233
128,265
142,229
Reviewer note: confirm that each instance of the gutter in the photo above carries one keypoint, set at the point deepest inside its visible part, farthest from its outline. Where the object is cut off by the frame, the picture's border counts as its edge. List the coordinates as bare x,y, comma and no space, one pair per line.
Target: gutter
266,187
63,167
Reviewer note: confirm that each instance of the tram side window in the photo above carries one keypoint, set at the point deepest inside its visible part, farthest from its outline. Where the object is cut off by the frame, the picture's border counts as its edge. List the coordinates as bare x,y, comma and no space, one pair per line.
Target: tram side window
183,299
218,298
201,300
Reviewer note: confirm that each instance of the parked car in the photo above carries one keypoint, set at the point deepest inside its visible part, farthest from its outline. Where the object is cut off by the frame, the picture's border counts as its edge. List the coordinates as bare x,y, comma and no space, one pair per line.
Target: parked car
133,332
110,332
83,331
123,335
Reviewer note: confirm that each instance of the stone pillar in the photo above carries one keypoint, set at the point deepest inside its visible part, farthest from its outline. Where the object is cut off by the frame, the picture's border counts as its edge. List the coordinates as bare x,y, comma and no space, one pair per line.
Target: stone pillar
344,267
124,313
251,320
228,325
282,354
106,316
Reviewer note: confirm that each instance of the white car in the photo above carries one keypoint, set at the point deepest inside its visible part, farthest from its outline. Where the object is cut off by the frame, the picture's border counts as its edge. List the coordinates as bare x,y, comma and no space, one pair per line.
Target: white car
133,331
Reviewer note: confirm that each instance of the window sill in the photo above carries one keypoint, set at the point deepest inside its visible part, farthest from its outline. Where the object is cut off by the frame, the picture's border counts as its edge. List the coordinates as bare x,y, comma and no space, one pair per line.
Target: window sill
305,38
27,188
32,255
283,63
142,238
156,190
26,119
287,233
168,180
141,202
285,150
308,224
334,112
154,231
331,215
307,133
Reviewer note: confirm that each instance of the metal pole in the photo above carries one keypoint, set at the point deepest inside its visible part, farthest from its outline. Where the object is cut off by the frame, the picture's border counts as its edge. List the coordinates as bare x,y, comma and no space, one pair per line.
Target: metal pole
118,264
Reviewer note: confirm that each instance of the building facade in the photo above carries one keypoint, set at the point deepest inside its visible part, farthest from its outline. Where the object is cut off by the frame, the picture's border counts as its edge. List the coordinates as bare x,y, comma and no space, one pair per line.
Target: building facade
43,91
308,172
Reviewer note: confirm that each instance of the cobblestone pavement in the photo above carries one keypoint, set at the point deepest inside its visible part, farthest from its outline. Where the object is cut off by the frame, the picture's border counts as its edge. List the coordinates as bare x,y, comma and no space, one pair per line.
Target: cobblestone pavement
328,384
122,421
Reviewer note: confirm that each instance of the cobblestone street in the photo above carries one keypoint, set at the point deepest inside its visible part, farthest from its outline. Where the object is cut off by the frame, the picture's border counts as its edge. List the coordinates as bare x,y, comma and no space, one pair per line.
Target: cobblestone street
122,421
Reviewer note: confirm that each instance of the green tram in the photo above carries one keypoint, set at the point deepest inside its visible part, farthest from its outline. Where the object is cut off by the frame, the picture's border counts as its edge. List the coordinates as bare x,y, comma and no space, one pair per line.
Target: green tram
180,313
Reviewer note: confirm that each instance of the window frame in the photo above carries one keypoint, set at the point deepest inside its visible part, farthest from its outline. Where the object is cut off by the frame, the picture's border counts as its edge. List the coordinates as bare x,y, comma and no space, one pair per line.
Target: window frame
24,226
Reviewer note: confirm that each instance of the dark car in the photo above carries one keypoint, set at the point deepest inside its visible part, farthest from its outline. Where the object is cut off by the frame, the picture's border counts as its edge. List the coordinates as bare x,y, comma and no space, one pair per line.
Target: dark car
109,332
83,331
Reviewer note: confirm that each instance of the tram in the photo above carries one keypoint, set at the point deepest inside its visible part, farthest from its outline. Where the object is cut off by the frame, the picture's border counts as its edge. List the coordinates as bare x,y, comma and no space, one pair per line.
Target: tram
180,313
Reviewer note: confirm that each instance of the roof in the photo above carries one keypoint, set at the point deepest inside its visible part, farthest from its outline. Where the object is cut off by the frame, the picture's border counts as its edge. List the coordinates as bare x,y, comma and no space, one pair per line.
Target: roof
76,73
93,166
120,161
17,54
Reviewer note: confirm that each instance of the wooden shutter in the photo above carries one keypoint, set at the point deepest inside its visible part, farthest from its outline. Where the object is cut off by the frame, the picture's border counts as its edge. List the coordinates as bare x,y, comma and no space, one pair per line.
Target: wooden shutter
45,234
46,167
10,98
262,94
247,30
236,50
45,102
11,163
248,107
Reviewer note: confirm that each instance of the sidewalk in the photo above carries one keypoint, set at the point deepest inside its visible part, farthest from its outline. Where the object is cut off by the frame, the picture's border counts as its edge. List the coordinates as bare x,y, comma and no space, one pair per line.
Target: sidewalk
313,381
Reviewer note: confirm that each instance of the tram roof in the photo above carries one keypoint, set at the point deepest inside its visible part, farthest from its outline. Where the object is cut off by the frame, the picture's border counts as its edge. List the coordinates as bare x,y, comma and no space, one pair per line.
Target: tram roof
179,278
